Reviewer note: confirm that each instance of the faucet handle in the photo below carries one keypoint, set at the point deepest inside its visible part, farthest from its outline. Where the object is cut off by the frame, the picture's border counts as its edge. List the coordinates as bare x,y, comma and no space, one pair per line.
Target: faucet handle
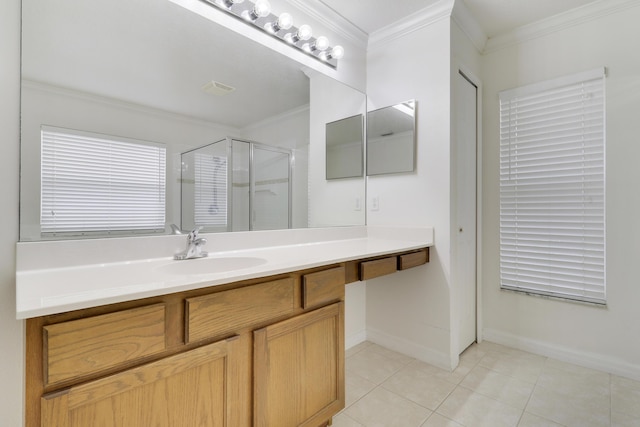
193,234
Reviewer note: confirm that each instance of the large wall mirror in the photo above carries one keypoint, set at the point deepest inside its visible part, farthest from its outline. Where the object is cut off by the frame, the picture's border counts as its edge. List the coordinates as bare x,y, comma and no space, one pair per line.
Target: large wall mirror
98,75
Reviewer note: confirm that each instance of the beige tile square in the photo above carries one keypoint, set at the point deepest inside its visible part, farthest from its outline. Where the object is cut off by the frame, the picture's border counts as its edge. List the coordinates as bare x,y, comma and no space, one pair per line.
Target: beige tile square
569,410
473,354
475,410
576,381
373,366
437,420
625,397
418,383
356,387
343,420
382,408
506,389
530,420
357,348
624,420
518,364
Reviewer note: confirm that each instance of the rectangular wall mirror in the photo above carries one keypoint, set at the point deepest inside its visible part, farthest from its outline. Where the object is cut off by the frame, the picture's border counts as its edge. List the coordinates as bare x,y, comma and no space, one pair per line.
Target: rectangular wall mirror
157,73
391,139
345,148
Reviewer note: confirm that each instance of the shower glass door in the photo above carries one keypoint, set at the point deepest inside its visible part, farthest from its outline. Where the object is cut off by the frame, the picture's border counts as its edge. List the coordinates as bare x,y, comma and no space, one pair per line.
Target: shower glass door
270,188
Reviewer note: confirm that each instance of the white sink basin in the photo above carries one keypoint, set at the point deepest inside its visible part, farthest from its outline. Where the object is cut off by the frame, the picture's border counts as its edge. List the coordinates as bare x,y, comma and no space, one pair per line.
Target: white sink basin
209,265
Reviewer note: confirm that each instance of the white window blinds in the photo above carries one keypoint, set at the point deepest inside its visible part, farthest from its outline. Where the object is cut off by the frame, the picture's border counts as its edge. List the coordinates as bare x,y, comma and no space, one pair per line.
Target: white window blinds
552,188
96,184
210,190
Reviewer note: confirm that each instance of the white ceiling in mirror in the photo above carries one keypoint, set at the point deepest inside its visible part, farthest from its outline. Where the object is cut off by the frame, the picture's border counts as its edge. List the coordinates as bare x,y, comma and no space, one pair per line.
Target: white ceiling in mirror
166,54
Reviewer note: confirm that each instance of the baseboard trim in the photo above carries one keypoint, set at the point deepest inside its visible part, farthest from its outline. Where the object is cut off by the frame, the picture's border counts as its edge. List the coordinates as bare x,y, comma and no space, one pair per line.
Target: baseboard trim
355,339
597,361
409,348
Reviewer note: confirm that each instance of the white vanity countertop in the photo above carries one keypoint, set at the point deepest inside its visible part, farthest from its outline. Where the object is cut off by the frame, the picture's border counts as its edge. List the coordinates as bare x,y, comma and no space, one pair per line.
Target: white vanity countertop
44,286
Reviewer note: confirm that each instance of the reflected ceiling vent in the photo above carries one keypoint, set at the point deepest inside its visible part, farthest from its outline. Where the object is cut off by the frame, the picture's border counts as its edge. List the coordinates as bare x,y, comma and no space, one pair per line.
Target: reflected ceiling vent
216,88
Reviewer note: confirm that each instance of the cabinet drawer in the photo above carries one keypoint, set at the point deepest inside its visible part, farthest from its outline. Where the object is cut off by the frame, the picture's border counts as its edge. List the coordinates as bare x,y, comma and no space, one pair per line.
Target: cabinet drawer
323,287
227,312
413,259
378,267
85,346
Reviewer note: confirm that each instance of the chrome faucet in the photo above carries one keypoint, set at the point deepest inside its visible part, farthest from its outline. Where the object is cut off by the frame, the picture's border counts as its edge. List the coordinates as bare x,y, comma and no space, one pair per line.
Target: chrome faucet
194,246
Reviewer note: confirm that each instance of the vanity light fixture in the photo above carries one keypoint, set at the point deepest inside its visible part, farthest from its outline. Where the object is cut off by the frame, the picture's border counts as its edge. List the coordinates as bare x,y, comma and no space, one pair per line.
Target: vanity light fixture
261,9
284,22
259,14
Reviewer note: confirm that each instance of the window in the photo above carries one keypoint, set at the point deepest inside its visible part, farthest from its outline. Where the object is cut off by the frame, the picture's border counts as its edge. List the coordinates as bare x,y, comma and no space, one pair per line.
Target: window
552,188
96,184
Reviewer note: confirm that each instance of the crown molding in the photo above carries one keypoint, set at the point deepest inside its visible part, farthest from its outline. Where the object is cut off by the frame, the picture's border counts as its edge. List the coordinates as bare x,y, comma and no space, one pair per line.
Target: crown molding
332,20
558,22
468,24
422,18
120,104
275,119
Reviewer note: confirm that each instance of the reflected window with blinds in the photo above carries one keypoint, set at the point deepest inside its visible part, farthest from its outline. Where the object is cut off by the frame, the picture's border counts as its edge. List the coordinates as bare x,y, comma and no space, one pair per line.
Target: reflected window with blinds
552,188
93,185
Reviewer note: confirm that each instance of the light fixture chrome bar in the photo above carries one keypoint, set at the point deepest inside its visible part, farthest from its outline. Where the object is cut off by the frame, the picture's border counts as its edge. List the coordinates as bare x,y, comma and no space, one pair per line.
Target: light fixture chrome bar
281,27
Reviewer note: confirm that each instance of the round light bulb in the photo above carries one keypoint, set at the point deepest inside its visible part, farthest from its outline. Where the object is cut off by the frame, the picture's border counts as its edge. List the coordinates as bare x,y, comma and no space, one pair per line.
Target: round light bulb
285,21
304,32
337,52
262,8
322,43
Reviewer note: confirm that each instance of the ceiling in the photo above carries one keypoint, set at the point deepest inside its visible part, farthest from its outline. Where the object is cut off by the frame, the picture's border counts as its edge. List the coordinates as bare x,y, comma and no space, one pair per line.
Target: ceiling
494,16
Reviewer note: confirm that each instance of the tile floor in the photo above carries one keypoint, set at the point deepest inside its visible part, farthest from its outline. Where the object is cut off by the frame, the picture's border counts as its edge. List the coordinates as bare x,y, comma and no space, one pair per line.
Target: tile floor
493,386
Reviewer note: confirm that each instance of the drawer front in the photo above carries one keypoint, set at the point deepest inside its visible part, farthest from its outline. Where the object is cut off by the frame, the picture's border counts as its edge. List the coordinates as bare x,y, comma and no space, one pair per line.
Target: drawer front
378,267
413,259
226,312
323,287
85,346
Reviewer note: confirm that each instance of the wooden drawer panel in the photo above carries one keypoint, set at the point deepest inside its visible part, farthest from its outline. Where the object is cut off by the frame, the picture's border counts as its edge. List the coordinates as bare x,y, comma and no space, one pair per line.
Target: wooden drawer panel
323,287
85,346
227,312
378,267
413,259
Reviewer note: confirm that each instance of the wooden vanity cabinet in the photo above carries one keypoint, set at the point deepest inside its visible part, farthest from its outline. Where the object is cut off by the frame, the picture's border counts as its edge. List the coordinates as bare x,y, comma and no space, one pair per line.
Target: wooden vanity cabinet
265,352
194,388
299,369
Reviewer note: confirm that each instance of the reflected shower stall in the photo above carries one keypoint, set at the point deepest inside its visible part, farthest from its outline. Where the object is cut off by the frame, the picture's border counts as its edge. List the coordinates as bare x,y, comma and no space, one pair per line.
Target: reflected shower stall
236,185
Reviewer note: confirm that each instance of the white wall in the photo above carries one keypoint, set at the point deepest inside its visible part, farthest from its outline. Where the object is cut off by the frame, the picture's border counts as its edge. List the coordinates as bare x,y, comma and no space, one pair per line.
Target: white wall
332,202
409,311
606,338
11,331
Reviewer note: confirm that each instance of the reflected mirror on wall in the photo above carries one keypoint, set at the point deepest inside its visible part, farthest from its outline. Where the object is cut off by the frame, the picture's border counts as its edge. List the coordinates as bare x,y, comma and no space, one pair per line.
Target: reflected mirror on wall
144,70
391,136
345,147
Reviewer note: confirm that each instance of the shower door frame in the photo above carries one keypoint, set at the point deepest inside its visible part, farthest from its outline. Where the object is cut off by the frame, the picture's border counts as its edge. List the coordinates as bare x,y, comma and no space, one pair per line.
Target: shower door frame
266,147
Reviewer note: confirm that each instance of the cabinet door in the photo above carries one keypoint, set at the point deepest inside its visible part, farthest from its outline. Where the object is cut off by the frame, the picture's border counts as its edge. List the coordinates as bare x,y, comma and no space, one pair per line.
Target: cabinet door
188,389
299,369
